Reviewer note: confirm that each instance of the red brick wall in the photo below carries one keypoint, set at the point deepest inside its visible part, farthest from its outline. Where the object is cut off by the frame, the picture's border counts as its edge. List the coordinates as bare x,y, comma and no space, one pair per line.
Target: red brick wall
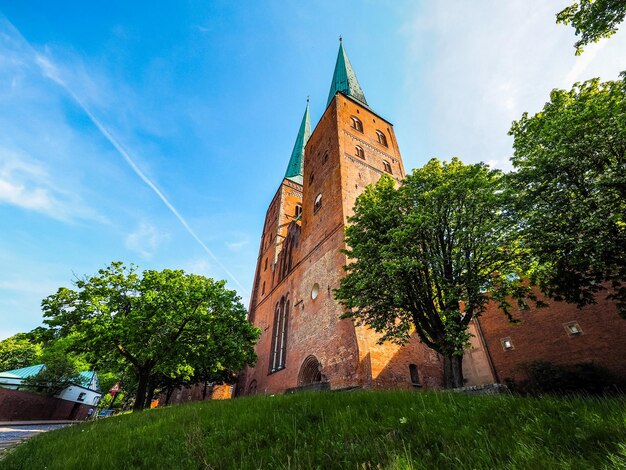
18,405
541,336
194,393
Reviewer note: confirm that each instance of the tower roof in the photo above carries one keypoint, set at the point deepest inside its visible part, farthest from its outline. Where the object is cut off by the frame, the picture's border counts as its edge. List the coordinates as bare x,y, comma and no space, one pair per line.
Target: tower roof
344,79
296,162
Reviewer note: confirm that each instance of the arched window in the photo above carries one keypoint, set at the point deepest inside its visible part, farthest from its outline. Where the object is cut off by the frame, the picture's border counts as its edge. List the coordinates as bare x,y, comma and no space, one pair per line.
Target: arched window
298,212
356,123
279,338
359,152
387,166
382,139
263,289
310,371
318,203
415,376
265,266
325,158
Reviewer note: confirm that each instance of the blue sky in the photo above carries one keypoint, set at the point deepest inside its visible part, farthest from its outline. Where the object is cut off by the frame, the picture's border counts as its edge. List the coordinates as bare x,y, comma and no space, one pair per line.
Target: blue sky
205,99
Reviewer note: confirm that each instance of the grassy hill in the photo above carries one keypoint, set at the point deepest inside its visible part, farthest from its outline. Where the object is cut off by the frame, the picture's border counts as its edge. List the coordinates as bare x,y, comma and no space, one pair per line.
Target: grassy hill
354,430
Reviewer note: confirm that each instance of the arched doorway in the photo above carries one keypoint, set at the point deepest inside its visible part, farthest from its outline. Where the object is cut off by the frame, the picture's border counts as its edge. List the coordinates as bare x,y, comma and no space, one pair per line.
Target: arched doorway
310,372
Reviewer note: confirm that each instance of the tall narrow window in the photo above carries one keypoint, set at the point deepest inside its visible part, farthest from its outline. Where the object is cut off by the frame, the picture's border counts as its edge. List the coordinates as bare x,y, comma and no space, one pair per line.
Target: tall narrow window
298,212
263,289
359,152
382,139
357,124
318,203
325,158
279,338
387,166
265,266
415,376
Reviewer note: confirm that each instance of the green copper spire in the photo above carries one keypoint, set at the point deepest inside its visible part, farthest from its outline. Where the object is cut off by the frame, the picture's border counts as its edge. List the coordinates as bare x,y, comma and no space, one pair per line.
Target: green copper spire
296,162
344,79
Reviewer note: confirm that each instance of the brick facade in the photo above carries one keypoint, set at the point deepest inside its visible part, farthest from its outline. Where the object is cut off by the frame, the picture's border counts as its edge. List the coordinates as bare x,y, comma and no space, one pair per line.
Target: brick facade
18,405
543,335
348,356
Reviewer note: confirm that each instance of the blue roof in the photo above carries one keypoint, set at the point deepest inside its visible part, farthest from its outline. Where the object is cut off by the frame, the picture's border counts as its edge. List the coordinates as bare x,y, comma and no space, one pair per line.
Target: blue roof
24,372
86,377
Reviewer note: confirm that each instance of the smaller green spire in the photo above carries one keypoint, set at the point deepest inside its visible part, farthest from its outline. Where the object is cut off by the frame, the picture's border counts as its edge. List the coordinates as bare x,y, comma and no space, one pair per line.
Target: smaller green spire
296,162
344,79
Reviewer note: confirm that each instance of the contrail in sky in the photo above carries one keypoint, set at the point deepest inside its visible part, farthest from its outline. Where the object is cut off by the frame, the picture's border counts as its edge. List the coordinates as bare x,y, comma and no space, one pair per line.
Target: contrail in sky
51,72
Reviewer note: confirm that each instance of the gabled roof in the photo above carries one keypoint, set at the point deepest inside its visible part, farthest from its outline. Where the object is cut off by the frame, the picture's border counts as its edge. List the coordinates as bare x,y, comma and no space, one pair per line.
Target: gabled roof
87,378
296,162
23,373
344,79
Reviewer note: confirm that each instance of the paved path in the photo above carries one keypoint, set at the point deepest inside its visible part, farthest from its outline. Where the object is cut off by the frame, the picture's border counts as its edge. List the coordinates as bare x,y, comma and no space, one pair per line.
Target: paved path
11,434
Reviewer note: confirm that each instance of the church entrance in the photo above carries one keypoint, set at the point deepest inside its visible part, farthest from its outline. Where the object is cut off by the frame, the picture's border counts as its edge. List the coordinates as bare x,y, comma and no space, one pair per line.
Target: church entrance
310,372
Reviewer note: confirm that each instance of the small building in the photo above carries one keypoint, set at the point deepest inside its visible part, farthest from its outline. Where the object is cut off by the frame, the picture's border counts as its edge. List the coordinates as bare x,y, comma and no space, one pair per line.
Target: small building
17,402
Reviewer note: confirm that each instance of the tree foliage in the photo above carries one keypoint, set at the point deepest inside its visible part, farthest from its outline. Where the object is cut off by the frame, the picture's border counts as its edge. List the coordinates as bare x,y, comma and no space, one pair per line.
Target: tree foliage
61,369
154,323
430,255
571,191
593,19
18,351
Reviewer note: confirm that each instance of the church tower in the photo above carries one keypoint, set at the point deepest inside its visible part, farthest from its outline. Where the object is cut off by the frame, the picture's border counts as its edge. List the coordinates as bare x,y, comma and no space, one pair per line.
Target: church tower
303,340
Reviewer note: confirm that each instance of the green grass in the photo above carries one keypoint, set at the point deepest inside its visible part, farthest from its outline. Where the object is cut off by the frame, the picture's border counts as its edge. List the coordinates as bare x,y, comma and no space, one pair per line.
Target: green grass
351,430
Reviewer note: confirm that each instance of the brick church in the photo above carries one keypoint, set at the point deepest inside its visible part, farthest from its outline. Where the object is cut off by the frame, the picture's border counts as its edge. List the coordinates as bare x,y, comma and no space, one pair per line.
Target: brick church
304,343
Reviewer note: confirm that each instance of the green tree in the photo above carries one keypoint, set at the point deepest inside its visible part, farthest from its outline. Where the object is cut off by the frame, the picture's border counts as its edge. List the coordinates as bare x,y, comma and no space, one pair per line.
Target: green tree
430,255
61,368
155,323
17,352
571,191
593,19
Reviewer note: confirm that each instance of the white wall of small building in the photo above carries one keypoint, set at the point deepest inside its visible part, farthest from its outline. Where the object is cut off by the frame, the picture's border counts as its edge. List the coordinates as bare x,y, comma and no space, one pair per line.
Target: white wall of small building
73,393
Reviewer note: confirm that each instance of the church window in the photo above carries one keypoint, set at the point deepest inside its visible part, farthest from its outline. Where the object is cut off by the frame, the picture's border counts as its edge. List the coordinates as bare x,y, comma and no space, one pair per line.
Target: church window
279,338
357,124
359,152
318,203
415,376
298,212
265,266
382,139
263,289
387,166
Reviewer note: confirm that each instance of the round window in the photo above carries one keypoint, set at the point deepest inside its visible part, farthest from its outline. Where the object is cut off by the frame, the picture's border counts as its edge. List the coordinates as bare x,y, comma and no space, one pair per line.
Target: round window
315,291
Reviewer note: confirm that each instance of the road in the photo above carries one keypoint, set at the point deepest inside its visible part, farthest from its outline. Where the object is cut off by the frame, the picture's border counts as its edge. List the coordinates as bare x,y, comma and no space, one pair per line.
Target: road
11,435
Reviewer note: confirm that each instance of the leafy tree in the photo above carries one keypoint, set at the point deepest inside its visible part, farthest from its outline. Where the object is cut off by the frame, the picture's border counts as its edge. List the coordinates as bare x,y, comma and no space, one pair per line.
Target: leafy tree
61,369
571,185
17,352
593,19
430,255
159,322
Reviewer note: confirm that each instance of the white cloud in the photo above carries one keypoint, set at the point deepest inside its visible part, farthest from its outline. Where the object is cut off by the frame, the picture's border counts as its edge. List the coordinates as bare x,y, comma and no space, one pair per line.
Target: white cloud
26,183
199,266
146,240
482,64
238,245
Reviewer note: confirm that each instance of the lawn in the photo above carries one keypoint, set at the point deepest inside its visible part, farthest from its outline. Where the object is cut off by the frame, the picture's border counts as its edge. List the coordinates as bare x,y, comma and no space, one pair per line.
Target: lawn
354,430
